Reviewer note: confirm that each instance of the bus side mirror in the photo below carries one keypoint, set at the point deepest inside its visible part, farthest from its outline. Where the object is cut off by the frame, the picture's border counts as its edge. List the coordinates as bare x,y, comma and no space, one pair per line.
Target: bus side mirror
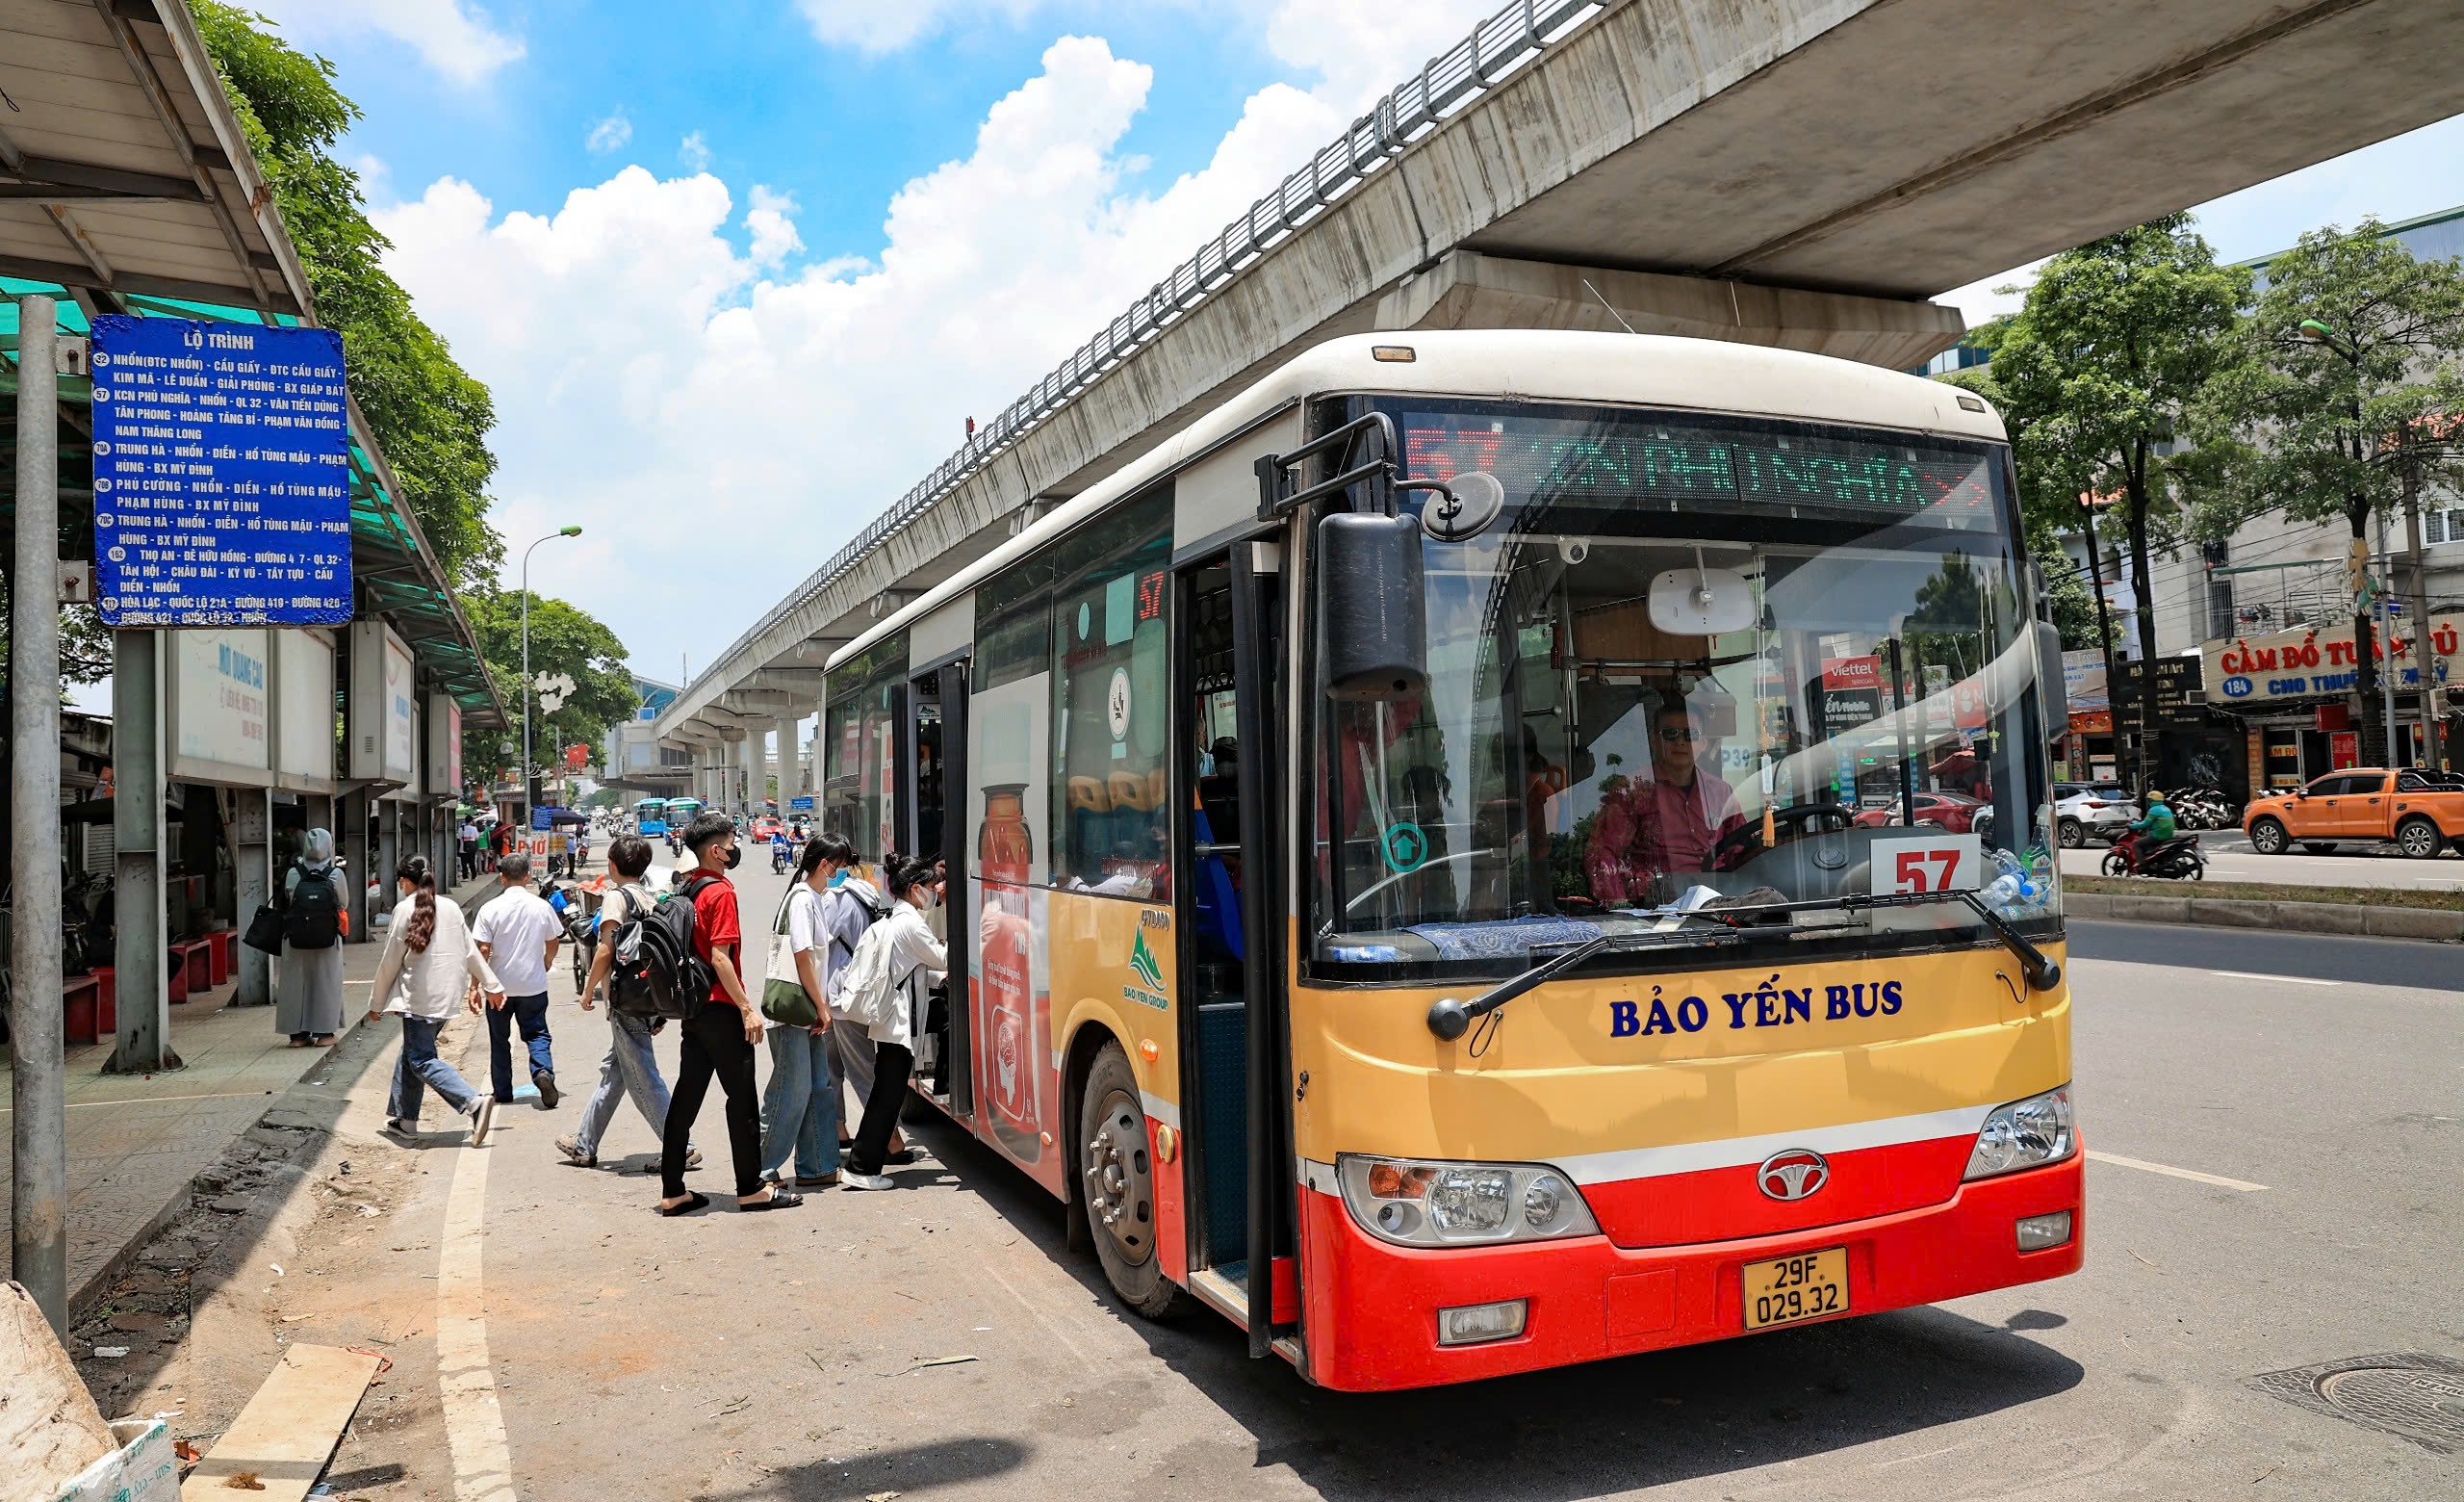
2050,682
1372,613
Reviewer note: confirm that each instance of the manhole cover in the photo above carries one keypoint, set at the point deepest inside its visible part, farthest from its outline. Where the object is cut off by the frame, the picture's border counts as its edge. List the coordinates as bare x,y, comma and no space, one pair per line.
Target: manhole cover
2408,1394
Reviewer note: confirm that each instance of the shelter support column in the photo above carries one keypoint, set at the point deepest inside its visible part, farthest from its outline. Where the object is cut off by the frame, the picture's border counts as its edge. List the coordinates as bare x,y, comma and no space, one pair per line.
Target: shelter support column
353,809
136,833
38,1133
252,862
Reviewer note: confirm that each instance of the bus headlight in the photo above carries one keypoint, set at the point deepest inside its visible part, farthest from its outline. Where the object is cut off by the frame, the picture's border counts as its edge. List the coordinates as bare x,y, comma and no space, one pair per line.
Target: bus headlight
1416,1204
2027,1134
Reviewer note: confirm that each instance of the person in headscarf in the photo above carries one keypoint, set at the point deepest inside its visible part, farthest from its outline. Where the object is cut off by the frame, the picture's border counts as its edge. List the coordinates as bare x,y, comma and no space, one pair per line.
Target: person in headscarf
308,1001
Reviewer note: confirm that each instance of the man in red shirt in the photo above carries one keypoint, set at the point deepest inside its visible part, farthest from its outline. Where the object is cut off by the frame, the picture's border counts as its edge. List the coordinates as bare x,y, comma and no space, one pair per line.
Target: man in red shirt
720,1038
1671,823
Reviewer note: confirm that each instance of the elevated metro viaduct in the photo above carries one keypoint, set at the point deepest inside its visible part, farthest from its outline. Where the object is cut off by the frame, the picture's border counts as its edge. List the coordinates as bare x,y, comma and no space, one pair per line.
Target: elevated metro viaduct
1799,173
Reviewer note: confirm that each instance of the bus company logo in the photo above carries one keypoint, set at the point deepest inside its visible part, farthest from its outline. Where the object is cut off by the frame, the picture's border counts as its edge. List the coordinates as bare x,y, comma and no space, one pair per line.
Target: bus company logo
1792,1173
1148,975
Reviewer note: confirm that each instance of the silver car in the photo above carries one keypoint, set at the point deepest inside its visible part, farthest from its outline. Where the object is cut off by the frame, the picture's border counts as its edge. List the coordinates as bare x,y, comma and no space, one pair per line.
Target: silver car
2092,813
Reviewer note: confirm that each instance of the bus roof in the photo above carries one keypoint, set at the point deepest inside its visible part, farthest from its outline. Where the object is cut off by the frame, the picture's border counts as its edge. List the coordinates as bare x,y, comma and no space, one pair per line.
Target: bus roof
1540,365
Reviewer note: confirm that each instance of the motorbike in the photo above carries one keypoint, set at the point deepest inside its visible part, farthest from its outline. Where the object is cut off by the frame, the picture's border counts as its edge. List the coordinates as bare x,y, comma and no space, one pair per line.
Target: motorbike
2177,859
573,911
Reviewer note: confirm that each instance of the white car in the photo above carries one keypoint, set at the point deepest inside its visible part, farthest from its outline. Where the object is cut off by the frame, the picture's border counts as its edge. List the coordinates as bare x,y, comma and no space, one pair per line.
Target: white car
2098,811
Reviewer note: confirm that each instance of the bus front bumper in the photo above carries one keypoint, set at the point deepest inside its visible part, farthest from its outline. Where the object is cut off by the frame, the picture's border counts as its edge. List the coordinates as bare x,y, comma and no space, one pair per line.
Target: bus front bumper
1372,1308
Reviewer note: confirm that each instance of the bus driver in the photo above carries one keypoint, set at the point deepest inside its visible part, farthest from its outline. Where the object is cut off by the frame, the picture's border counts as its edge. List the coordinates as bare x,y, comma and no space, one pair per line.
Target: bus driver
1670,823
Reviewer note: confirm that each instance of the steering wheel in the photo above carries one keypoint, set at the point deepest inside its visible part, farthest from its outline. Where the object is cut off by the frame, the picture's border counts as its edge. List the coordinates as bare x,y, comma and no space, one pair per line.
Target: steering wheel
1794,822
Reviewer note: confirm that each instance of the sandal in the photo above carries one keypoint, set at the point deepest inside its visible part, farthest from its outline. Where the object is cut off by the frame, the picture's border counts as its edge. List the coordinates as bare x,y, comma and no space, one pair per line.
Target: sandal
779,1200
696,1201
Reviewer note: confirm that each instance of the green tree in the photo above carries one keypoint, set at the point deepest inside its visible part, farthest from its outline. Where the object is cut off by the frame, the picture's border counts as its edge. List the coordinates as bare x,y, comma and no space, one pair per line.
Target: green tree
564,638
2343,394
2102,365
2049,504
431,418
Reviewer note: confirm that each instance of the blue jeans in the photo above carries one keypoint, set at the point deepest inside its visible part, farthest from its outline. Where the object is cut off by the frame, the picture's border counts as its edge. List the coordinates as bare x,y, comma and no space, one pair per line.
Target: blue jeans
799,1105
531,1013
630,1068
419,1070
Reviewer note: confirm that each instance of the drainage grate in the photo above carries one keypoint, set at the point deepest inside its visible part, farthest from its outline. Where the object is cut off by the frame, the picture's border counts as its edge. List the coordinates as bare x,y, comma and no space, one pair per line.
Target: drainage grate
2412,1394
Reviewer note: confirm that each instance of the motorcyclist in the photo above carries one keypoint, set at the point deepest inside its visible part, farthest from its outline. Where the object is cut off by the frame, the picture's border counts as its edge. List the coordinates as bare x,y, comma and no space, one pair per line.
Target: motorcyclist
781,851
2152,828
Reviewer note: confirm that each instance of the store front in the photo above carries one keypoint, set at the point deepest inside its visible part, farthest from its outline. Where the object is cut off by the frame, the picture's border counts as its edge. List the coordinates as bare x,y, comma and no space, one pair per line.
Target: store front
2293,696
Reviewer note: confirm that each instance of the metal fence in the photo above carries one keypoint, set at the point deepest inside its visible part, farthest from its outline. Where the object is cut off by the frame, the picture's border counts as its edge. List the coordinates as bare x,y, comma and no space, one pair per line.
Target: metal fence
1501,46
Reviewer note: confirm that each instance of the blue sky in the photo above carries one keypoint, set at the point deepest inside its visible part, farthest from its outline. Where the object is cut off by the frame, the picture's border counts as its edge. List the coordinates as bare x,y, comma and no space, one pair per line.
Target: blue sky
738,280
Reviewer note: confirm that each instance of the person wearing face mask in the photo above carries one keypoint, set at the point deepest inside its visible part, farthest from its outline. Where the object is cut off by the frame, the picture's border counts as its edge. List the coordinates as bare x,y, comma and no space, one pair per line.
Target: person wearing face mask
800,1108
719,1039
895,964
429,964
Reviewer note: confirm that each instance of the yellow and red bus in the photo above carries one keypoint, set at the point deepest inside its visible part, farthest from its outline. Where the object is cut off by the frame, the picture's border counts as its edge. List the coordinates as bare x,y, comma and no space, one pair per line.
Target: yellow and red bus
1434,866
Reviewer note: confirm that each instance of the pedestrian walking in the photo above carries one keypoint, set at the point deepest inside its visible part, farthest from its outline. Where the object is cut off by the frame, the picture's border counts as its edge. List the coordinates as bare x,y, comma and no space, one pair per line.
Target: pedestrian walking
308,1001
800,1108
466,850
630,1067
573,854
429,965
719,1036
897,960
519,933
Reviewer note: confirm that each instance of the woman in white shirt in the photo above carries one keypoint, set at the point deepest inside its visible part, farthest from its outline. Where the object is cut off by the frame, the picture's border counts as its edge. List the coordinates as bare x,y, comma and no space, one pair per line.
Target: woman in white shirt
909,962
800,1106
429,967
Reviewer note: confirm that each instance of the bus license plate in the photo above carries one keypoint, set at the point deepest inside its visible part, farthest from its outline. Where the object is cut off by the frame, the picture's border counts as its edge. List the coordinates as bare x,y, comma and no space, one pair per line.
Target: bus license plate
1784,1290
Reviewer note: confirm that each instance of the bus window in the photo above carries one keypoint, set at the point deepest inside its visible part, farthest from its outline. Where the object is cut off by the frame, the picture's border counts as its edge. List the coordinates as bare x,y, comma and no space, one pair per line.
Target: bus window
1108,718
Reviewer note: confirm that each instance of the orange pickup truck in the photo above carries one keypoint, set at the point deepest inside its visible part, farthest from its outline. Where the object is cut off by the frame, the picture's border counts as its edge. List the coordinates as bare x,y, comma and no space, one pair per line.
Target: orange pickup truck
2421,812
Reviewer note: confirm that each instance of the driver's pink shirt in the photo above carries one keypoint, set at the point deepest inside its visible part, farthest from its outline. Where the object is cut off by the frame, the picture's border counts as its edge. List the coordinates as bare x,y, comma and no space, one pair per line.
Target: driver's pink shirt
1647,828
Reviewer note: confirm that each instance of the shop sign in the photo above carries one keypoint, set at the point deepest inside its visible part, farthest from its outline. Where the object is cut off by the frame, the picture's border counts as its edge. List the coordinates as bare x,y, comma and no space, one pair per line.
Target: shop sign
2177,694
2319,663
2092,722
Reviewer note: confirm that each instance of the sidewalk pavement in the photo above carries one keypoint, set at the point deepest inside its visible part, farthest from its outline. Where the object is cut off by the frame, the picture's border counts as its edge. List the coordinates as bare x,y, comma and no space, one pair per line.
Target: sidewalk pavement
137,1142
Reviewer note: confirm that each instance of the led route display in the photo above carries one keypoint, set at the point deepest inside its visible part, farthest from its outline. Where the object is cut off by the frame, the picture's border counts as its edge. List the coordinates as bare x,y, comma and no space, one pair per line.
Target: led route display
221,474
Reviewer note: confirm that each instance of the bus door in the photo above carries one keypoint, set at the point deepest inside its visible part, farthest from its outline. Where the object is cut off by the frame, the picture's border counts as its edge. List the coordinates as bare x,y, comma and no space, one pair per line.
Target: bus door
1234,1111
936,742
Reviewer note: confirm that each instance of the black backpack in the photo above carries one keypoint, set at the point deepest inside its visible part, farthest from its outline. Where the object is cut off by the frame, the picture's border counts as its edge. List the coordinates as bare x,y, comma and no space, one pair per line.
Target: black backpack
656,972
314,919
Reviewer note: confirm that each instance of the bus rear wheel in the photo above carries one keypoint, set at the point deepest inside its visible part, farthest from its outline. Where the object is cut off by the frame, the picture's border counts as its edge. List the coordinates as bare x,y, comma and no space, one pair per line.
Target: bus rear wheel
1116,1184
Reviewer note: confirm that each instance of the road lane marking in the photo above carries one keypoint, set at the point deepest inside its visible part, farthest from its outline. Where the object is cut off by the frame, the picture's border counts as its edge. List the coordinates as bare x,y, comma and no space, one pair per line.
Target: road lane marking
2290,980
2194,1177
473,1419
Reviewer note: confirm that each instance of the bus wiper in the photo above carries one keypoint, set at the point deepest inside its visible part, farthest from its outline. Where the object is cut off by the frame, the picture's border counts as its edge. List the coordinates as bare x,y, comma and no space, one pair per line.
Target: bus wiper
2041,970
1450,1018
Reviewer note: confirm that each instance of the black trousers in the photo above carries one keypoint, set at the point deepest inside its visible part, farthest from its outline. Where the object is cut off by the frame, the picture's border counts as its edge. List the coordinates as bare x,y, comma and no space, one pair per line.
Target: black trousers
891,1065
713,1044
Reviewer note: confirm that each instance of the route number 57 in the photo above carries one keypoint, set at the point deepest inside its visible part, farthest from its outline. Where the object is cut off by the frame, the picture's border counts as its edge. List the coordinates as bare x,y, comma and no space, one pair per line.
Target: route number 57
1936,863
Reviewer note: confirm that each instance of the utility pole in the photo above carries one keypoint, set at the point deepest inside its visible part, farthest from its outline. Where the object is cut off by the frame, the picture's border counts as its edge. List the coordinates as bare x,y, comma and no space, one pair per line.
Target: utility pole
2104,637
2387,647
2433,693
38,1131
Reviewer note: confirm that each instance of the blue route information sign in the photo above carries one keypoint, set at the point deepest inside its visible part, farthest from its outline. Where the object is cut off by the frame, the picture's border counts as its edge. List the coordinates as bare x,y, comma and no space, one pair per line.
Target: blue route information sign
221,474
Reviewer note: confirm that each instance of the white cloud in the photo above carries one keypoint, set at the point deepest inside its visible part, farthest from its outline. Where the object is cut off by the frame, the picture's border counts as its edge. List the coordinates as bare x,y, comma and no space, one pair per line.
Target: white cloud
610,135
772,222
875,27
454,36
694,151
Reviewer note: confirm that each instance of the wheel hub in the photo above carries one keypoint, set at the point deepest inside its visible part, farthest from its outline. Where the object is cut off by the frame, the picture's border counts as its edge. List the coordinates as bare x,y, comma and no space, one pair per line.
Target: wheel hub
1120,1181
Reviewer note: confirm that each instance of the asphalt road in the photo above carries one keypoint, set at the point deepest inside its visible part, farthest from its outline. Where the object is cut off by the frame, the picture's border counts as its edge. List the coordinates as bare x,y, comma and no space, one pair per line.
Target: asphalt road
783,1355
2231,858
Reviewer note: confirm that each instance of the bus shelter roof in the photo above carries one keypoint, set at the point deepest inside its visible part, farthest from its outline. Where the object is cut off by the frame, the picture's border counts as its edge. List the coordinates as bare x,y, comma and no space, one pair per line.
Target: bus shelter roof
126,187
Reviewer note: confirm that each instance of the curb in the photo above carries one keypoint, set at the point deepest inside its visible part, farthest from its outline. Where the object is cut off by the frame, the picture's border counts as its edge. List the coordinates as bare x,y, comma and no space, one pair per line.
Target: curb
2309,918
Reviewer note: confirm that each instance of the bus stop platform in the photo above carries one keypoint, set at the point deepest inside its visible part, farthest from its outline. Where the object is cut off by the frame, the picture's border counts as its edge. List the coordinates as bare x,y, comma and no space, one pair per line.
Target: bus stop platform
137,1143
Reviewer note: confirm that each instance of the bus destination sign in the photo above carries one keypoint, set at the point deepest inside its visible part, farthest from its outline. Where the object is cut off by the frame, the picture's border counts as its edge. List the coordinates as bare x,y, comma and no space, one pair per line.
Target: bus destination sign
221,474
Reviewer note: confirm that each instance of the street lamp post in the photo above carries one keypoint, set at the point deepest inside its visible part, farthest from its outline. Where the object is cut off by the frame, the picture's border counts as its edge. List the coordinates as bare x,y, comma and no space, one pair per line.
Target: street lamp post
531,773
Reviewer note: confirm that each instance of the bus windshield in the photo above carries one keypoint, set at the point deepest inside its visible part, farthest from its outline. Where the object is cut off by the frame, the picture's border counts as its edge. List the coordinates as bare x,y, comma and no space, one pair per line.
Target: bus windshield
1866,721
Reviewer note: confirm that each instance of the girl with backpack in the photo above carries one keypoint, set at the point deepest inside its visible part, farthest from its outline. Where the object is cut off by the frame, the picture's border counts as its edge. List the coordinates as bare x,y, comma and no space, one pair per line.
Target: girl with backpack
896,963
800,1108
308,1002
428,966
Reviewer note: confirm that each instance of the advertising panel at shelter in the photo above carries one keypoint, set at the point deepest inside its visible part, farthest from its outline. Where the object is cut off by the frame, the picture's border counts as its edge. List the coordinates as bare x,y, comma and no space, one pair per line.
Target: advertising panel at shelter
2318,662
383,730
444,745
219,697
221,474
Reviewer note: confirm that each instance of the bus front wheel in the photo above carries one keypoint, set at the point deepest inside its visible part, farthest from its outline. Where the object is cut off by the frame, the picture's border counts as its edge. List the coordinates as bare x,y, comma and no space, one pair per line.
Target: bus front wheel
1117,1185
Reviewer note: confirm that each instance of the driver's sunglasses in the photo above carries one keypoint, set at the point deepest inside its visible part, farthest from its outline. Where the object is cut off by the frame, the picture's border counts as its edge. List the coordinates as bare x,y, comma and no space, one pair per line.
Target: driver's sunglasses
1674,734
